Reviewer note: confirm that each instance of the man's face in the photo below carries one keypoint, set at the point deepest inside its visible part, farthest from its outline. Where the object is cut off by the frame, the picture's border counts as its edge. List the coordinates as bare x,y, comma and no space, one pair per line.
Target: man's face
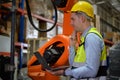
76,22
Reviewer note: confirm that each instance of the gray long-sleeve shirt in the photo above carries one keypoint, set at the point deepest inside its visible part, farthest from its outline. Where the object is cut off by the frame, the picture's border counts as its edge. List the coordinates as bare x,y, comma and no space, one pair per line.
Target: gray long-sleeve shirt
93,47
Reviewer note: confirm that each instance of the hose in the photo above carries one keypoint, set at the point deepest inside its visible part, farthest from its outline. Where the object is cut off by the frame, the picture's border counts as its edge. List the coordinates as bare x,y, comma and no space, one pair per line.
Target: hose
31,20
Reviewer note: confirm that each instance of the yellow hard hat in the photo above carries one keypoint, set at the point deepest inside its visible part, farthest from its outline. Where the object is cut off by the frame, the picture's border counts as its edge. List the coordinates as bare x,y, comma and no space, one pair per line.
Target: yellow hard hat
83,6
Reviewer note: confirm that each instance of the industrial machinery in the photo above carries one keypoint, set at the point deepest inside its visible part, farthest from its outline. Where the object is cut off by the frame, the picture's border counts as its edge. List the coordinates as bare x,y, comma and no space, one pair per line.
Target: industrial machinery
51,55
55,52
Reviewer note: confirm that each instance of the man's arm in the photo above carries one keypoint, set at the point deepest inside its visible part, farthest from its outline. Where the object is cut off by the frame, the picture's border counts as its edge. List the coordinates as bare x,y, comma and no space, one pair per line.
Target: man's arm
93,48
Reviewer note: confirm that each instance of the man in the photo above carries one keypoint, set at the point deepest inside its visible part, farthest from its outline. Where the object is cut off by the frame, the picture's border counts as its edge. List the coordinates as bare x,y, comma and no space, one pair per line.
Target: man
88,61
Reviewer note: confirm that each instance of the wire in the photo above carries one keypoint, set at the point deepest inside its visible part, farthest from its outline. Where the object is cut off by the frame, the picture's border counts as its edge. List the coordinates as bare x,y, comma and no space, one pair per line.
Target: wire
31,20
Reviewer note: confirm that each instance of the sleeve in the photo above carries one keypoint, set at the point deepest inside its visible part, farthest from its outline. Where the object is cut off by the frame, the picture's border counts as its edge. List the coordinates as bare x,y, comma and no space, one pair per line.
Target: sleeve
93,48
71,58
71,55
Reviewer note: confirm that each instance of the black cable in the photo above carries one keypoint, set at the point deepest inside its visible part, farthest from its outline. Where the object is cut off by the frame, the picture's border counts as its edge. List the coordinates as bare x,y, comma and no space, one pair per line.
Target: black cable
31,20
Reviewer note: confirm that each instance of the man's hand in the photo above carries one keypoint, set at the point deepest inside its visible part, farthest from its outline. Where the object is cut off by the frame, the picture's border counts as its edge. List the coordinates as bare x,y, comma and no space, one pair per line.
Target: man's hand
73,38
57,73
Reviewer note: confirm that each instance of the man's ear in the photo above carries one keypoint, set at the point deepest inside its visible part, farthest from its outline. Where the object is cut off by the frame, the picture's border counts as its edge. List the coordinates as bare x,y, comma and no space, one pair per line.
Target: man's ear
83,19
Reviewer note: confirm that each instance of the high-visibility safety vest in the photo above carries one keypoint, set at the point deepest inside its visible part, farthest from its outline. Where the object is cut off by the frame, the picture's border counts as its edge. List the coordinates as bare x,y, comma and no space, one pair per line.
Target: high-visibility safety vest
80,57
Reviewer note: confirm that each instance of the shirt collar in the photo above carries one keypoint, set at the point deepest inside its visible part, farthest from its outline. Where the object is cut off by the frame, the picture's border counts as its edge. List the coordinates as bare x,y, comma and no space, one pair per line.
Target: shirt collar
85,32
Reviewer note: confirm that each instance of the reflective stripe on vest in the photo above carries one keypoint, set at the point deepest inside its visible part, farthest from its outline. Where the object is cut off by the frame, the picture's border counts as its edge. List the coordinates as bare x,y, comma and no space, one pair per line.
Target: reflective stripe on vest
80,57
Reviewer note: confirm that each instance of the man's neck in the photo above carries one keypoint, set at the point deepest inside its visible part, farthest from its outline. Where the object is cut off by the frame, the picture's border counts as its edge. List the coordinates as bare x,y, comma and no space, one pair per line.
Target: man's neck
85,26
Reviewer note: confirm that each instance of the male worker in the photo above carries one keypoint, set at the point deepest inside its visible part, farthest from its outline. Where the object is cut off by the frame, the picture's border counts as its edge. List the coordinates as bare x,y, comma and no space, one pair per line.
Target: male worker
88,61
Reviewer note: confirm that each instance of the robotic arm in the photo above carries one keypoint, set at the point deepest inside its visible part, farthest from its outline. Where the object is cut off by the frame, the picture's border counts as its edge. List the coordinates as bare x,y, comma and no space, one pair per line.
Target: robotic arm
54,53
64,5
50,56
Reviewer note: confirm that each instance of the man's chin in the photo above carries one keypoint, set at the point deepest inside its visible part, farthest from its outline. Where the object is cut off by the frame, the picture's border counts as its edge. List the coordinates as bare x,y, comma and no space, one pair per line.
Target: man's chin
77,30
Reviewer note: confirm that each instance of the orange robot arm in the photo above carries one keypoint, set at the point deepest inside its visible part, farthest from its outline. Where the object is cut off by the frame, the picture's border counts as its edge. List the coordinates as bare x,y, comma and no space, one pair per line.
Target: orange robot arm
36,71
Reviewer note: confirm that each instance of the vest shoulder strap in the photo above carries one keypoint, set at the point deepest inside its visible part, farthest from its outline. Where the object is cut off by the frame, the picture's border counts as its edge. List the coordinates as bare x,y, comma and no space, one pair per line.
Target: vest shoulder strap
92,30
94,33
